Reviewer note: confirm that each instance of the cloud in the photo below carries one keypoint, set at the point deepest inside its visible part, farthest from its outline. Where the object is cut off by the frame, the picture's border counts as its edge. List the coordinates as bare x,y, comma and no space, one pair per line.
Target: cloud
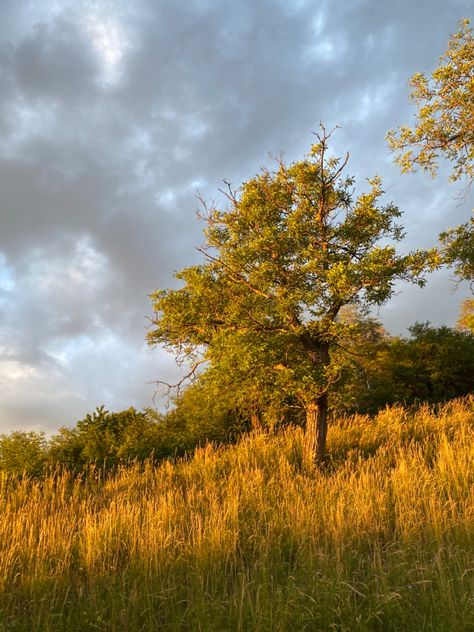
113,114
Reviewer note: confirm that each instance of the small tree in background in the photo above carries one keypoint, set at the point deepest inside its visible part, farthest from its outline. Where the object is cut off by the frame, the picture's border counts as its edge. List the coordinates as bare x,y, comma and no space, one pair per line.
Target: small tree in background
433,364
466,316
366,384
108,439
23,452
292,248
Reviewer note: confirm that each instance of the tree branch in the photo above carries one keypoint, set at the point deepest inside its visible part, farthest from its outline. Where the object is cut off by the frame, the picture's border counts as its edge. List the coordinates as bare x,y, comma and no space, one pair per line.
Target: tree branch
234,275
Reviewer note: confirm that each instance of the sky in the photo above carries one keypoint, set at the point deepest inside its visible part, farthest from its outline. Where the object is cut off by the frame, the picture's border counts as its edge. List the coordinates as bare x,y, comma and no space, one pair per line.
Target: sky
113,115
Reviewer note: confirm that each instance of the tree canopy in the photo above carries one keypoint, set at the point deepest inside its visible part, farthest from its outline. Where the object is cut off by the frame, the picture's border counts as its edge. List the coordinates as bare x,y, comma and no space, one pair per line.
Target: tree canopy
457,249
433,364
445,113
466,317
445,126
23,452
290,249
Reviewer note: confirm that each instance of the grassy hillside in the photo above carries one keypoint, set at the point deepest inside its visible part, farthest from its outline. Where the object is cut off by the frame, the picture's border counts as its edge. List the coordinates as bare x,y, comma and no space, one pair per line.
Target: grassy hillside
244,538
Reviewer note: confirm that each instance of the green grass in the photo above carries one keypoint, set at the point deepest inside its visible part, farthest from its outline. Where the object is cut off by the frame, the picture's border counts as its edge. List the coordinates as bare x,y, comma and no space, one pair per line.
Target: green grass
245,538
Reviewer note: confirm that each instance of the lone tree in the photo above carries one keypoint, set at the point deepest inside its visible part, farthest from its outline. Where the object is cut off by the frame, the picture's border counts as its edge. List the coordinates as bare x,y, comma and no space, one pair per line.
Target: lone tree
290,250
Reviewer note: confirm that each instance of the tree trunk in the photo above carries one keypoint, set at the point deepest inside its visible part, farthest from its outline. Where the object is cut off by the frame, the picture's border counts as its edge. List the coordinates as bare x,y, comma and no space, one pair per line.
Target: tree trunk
316,430
255,421
322,429
317,409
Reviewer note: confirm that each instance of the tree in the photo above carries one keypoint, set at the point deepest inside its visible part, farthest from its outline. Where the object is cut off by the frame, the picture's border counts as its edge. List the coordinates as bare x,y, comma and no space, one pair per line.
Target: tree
445,126
445,113
66,449
366,383
108,439
432,365
205,411
23,452
291,248
435,364
466,317
457,249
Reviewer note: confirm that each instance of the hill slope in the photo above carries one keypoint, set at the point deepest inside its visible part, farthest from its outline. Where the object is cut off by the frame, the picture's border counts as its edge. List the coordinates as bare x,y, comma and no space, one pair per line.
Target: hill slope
244,538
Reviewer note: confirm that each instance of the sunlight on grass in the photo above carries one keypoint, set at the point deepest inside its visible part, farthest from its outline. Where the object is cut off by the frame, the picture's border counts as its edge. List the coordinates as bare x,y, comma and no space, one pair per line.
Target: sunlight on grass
244,538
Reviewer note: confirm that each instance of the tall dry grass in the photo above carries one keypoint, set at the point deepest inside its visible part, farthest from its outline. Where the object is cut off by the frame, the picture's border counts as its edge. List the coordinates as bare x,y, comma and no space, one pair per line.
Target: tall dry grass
244,538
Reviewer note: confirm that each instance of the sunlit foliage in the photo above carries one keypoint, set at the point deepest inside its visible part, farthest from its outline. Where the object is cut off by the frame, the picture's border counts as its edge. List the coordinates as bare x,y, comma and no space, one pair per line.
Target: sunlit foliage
292,248
445,113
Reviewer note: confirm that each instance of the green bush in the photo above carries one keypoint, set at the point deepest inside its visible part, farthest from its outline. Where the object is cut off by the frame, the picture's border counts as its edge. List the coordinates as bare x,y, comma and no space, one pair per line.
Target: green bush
23,452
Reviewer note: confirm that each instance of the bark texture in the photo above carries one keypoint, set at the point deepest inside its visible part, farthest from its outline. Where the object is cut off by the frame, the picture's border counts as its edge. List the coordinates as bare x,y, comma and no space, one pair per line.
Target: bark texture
317,409
316,430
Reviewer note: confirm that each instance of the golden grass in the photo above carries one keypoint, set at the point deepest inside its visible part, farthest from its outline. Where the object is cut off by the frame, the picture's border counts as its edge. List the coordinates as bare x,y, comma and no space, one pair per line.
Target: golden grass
245,538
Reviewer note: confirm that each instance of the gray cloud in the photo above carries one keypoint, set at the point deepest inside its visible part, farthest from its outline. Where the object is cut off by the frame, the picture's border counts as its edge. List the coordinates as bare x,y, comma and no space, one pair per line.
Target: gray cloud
112,116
